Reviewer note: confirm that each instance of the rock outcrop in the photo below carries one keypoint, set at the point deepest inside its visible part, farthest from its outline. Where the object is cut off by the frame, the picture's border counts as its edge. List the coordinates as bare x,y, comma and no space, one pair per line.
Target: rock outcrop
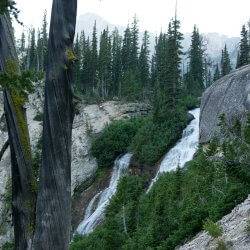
229,95
236,232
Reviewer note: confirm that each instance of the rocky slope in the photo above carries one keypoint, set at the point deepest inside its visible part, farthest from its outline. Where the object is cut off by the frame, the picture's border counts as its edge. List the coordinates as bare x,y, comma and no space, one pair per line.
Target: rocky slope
236,232
230,96
90,120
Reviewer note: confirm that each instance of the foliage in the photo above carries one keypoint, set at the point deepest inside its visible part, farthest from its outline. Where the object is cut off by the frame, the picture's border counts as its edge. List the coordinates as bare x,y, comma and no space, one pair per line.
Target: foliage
221,245
248,227
212,228
19,82
176,207
154,139
8,246
243,56
114,140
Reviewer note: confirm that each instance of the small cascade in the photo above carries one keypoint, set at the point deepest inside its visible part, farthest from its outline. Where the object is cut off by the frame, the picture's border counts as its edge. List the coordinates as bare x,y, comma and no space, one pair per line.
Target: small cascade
184,150
96,209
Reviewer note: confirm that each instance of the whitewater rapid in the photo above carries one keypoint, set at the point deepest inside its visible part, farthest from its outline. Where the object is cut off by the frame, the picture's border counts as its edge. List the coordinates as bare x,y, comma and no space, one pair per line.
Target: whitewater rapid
184,150
96,209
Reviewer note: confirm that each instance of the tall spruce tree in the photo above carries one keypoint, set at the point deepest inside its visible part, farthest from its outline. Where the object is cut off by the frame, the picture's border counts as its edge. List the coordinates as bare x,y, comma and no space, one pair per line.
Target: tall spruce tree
104,65
116,63
243,58
94,58
225,62
195,76
217,73
173,73
44,37
32,57
144,61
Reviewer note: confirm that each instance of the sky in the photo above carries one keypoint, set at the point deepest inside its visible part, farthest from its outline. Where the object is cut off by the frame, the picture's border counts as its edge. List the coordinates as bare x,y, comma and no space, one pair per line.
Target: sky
221,16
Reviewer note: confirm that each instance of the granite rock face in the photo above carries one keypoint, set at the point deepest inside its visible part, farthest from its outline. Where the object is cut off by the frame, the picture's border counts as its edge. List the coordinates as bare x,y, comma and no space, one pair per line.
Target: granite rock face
229,95
236,235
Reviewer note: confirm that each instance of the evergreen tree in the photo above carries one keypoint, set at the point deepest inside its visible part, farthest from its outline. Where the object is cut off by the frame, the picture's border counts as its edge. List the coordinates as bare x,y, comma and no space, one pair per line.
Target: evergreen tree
32,58
104,64
134,44
94,58
77,67
116,63
126,49
225,62
173,73
144,60
39,52
44,37
195,77
244,48
217,73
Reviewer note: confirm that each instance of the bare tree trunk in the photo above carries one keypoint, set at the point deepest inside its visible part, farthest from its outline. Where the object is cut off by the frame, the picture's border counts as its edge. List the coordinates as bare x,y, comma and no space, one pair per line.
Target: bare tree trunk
53,221
23,197
4,148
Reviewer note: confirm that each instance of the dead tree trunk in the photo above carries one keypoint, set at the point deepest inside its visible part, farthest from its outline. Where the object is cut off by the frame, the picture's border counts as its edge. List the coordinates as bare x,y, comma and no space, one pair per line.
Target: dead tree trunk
23,197
53,221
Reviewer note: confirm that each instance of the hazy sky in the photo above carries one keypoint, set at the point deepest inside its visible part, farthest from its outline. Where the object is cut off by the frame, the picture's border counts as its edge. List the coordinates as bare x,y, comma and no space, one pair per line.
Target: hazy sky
222,16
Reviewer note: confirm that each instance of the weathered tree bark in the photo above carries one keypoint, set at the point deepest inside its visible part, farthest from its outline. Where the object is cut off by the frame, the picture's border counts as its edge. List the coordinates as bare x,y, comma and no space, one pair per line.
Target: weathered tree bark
4,148
53,221
23,197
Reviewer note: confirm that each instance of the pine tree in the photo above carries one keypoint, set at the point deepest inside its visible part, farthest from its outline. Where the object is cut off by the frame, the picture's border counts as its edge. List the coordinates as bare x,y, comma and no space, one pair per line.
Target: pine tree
244,48
32,58
39,52
144,61
134,44
195,77
22,51
104,64
217,74
173,74
126,49
77,68
94,58
116,63
44,37
225,62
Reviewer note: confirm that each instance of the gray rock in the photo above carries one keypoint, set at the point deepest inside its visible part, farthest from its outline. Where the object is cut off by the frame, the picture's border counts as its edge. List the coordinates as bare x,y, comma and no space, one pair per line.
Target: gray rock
229,95
235,234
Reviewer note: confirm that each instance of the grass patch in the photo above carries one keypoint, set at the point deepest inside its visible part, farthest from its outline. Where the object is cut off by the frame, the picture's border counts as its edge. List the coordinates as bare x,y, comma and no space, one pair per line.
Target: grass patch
213,229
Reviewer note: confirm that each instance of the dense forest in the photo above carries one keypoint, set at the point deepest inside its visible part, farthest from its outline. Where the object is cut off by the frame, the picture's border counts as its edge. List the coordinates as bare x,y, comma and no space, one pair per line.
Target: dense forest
119,67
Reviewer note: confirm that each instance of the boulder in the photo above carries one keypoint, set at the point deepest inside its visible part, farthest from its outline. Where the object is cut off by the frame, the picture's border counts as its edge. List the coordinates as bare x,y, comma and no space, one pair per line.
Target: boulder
230,96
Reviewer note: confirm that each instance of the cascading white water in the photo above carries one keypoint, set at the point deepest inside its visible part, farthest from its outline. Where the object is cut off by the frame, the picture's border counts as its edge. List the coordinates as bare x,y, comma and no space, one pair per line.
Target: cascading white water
184,150
95,211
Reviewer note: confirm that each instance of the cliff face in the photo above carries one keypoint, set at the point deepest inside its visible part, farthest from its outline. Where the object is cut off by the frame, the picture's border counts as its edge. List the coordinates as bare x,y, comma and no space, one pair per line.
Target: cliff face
229,95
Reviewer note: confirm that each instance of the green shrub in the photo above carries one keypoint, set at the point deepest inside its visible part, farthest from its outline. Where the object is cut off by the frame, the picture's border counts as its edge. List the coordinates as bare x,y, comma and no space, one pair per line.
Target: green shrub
114,140
8,246
248,227
221,245
212,228
154,139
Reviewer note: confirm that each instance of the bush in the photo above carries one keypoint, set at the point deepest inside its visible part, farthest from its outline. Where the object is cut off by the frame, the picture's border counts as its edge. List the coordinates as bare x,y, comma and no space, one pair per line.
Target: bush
114,140
212,228
153,140
248,227
221,245
8,246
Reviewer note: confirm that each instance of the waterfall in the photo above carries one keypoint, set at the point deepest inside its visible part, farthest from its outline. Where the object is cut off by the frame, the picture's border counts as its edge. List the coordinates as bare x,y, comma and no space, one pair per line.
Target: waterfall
95,211
184,150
